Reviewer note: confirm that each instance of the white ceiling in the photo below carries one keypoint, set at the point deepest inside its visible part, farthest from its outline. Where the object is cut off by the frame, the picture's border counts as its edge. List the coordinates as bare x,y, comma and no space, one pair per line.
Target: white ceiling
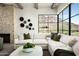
40,5
44,5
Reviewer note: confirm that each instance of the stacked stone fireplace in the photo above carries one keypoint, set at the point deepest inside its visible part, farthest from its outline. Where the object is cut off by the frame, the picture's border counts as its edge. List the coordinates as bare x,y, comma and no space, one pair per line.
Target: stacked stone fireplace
7,23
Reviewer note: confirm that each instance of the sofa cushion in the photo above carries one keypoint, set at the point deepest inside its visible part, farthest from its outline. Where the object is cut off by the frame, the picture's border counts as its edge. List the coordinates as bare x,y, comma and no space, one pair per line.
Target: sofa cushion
40,41
35,41
26,36
55,43
66,39
21,42
58,45
39,36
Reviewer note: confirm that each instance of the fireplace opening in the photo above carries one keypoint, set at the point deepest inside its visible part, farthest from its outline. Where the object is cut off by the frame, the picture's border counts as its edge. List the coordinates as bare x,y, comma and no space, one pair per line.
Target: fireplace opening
6,37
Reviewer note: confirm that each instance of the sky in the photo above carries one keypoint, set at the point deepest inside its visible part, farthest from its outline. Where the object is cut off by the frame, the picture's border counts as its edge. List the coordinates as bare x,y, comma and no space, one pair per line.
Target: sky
75,10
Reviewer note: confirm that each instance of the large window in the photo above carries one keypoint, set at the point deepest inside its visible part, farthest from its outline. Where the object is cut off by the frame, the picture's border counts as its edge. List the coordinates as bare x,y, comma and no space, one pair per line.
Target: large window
66,13
64,21
69,20
75,19
47,23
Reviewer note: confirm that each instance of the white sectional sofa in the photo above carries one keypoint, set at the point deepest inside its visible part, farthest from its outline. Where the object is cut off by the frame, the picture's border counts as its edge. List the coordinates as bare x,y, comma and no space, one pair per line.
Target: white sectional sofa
63,44
51,45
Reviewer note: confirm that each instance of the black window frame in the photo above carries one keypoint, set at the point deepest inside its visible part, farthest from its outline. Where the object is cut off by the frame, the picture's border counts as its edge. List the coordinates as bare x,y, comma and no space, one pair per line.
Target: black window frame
70,16
69,30
46,22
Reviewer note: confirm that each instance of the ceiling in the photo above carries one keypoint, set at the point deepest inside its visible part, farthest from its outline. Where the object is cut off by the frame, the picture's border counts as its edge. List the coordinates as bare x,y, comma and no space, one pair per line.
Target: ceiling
48,5
44,5
41,5
35,5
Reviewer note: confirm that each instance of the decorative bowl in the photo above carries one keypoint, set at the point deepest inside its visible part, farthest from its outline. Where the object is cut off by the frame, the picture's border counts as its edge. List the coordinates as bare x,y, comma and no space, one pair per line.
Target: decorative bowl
28,50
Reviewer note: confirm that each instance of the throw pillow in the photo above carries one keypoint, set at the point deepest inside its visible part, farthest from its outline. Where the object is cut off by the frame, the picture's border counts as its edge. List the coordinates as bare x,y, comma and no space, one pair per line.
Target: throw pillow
57,37
53,34
72,42
27,36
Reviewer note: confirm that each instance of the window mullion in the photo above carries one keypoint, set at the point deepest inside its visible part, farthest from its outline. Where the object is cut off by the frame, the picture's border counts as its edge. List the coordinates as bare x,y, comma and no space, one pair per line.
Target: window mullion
62,21
70,19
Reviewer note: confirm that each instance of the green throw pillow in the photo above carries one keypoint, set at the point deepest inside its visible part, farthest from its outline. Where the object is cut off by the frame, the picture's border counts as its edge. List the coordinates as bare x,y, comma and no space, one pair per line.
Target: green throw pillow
27,36
57,37
53,34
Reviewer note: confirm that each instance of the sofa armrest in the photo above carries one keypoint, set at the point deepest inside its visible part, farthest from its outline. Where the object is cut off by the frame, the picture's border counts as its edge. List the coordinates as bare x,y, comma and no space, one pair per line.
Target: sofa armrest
76,48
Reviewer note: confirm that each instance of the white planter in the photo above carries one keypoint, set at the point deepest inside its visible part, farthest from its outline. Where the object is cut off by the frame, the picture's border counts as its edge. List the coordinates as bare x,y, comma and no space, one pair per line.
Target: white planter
28,50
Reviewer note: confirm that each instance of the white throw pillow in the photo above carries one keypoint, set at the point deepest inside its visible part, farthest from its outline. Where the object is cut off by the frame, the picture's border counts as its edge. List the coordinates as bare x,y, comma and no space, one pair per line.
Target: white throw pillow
64,39
72,42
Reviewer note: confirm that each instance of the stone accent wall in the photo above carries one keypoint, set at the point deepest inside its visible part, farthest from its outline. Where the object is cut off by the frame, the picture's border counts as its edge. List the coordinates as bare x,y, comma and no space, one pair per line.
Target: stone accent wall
7,21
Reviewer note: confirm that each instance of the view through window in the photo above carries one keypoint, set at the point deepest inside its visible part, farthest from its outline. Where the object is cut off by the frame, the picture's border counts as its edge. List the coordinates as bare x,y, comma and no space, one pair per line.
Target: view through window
64,20
47,23
75,19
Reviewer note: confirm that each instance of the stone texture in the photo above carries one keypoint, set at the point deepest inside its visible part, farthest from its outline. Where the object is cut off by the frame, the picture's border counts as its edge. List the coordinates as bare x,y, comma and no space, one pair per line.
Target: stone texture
7,21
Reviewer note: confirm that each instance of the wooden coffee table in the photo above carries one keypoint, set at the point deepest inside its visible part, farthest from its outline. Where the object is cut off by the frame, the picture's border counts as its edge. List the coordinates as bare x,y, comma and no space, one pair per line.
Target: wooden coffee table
36,52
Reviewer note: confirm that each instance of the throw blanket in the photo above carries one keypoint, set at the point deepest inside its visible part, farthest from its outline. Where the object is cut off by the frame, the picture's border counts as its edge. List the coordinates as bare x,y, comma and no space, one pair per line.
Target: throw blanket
61,52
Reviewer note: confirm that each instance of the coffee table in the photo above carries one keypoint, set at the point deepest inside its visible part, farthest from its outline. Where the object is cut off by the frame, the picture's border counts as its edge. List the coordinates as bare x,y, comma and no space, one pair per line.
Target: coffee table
36,52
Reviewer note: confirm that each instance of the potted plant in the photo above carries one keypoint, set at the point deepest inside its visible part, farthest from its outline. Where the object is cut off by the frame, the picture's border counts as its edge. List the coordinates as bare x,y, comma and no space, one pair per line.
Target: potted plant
28,47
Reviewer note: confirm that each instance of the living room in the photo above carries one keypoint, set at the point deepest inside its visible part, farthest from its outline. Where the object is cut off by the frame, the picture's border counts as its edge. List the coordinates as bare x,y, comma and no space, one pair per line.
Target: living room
39,29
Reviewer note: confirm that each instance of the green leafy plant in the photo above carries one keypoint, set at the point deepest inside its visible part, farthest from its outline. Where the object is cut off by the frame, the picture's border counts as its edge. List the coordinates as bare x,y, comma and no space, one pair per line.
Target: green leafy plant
28,45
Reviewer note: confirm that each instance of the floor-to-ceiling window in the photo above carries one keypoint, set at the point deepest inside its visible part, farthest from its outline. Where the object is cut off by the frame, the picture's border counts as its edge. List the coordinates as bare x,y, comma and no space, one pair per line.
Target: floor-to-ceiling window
64,21
68,20
75,19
